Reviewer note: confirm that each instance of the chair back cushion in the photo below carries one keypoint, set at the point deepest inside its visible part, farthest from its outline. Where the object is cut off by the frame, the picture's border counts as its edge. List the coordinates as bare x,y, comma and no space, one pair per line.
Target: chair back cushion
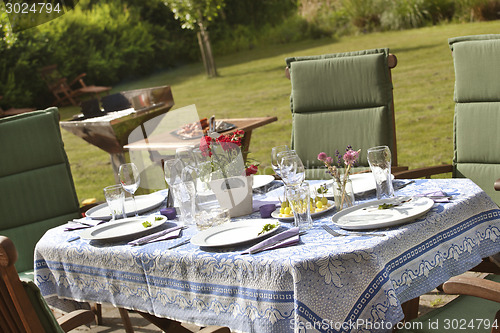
36,187
477,110
338,100
43,311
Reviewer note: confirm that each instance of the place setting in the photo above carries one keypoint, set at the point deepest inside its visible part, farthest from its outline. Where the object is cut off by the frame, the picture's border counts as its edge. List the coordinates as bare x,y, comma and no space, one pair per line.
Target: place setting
121,218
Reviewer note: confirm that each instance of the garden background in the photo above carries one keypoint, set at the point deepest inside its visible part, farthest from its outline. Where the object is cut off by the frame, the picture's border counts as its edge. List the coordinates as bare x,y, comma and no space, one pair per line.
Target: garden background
135,44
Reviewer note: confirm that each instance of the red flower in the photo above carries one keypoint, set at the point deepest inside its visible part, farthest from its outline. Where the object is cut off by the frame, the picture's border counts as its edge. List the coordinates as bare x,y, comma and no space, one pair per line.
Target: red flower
251,170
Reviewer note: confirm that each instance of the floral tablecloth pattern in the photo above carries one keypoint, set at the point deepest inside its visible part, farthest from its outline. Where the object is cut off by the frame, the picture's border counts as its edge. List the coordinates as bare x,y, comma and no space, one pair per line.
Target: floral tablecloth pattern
323,284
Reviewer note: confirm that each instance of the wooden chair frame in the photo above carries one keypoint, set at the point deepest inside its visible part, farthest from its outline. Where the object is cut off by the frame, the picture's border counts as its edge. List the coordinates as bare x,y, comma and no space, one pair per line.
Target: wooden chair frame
16,310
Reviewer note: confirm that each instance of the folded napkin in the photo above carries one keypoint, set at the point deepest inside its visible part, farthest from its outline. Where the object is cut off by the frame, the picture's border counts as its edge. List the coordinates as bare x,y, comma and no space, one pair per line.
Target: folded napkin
438,196
256,203
283,239
173,232
82,223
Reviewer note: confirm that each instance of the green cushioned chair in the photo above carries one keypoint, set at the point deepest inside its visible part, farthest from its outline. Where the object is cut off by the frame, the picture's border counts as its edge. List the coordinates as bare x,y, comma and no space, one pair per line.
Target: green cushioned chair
341,99
477,113
36,186
22,307
475,311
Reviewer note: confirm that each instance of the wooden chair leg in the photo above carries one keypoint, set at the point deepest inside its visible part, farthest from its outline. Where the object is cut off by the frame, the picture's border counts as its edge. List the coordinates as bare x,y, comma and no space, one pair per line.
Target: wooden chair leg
97,309
126,320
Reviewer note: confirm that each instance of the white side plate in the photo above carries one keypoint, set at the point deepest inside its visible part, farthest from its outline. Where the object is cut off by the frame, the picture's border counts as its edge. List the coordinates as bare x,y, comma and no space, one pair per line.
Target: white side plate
124,228
368,215
261,180
144,203
276,213
233,233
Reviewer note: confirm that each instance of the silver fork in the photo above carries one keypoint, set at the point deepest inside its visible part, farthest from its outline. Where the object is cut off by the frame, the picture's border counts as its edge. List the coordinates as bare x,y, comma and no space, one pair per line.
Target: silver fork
336,234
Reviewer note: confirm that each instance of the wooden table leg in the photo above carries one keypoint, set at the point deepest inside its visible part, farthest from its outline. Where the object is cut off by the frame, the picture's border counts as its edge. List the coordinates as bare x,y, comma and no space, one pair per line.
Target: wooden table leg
126,320
165,324
410,308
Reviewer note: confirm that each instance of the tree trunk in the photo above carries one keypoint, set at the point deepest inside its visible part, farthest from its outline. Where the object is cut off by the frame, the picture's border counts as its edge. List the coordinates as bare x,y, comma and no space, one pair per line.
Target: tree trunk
206,52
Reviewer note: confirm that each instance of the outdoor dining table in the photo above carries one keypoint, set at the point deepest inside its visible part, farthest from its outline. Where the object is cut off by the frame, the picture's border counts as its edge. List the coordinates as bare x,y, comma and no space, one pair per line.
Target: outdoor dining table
169,140
322,284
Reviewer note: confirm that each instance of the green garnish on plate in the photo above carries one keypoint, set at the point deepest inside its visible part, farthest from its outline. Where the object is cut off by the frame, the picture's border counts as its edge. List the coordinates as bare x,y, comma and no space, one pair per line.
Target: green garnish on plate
267,227
146,224
385,206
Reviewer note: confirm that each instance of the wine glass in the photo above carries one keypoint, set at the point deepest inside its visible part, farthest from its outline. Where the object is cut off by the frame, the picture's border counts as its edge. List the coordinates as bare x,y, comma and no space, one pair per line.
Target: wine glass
292,169
130,179
274,158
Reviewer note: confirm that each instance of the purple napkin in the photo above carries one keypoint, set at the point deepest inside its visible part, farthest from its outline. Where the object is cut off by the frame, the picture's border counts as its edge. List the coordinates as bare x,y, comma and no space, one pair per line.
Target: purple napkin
438,196
283,239
173,232
257,203
82,223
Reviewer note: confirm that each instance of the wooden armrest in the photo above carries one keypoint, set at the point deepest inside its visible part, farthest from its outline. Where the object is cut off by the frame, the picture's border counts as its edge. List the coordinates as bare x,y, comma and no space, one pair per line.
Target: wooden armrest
424,172
287,72
75,318
497,185
79,79
215,329
392,61
465,285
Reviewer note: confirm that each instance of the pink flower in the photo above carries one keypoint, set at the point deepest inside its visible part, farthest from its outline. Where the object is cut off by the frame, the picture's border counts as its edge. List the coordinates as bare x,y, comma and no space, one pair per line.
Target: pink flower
322,156
350,157
329,160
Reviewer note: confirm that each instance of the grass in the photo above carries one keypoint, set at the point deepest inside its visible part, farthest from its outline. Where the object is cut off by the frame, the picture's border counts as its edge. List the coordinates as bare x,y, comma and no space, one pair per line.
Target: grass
252,84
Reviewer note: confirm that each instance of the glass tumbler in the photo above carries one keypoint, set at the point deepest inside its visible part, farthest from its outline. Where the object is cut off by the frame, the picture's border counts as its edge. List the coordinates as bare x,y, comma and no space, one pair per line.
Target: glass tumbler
379,159
185,197
115,197
299,198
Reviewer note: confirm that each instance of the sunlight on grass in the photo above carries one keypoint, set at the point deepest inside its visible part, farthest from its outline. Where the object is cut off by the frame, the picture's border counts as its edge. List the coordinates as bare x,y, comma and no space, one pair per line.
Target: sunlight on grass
252,84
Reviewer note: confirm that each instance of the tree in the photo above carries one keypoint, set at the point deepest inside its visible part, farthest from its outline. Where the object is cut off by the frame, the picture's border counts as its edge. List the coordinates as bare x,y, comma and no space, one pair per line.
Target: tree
198,14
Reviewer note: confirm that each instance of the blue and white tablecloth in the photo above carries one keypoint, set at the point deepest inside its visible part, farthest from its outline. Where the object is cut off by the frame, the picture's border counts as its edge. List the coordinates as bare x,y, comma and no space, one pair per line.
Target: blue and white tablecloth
323,284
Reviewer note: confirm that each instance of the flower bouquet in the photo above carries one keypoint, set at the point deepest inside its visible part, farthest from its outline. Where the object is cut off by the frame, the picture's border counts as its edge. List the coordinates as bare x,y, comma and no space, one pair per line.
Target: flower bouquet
230,176
342,183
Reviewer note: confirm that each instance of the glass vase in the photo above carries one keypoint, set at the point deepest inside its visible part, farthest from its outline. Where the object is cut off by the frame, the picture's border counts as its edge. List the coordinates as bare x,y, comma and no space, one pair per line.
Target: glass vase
343,194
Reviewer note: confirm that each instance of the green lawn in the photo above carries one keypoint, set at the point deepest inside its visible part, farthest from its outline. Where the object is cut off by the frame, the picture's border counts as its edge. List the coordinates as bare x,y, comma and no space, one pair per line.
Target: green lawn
252,83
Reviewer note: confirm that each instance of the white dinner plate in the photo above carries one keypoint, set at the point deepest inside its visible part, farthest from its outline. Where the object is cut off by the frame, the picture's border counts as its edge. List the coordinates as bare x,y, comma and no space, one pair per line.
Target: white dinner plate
368,215
233,233
123,228
144,204
361,183
276,213
261,180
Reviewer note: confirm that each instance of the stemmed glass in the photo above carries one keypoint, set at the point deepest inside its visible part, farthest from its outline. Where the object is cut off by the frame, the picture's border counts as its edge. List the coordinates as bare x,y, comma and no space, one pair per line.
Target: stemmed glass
130,179
274,158
291,167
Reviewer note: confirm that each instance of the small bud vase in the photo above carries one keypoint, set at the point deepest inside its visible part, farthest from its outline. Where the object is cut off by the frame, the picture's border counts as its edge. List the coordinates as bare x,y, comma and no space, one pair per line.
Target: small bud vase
343,194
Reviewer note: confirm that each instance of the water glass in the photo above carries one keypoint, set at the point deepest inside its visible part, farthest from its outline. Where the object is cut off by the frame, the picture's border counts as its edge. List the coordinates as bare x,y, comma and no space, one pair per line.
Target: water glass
185,197
379,159
299,198
115,197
